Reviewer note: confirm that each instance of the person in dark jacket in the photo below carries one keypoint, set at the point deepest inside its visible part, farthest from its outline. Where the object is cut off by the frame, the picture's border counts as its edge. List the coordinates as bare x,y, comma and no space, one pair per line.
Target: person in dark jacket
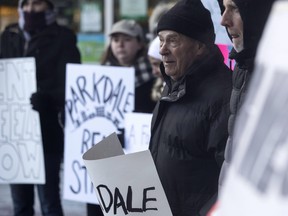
188,129
244,21
53,46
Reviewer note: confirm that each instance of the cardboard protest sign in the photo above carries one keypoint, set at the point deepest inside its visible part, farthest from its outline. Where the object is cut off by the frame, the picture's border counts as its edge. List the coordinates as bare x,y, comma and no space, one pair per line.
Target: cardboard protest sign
257,182
125,184
97,99
21,152
137,132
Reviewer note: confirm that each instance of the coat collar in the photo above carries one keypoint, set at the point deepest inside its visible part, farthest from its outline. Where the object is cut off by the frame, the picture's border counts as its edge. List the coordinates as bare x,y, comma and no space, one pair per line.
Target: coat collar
244,59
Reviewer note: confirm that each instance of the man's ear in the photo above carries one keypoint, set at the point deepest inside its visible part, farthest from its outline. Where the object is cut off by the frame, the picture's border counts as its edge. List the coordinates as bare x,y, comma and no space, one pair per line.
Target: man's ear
202,49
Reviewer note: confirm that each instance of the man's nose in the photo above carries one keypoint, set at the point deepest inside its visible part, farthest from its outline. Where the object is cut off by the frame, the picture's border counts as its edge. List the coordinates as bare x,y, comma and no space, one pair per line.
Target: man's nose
163,49
225,20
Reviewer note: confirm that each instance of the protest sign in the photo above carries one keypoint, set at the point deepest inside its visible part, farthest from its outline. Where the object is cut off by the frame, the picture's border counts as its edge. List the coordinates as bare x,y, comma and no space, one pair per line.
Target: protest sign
125,184
97,99
21,152
257,181
137,132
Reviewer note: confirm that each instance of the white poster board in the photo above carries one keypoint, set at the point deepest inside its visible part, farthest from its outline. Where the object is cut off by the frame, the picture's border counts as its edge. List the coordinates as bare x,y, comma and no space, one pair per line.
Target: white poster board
125,184
257,182
21,152
97,99
137,132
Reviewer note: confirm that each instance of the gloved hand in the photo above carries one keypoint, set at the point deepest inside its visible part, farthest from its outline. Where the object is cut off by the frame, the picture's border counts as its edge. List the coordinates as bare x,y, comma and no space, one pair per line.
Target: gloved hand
41,101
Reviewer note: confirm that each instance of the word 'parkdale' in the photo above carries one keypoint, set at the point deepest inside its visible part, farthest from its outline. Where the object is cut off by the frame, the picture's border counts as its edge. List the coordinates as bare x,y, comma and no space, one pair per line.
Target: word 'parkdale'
102,92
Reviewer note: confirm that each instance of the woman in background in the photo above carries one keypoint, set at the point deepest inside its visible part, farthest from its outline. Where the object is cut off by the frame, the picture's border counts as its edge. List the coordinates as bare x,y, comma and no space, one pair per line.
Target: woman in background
127,48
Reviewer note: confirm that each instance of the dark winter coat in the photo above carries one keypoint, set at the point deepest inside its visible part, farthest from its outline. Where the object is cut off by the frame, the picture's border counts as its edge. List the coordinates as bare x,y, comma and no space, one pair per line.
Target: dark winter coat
241,77
189,133
52,48
254,15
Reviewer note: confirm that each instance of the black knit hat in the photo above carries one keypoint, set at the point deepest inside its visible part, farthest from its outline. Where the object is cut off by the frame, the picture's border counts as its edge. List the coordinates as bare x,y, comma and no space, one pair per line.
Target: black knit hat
190,18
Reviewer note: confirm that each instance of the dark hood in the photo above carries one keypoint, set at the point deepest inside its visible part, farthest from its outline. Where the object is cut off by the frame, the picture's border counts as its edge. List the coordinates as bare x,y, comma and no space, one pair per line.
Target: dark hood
254,14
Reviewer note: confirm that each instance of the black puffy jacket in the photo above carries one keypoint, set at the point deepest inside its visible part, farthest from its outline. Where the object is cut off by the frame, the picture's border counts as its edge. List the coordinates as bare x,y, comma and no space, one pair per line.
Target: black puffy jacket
189,133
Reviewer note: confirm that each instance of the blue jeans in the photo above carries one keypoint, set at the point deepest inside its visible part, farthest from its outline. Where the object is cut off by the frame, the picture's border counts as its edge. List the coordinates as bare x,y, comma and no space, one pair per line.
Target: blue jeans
49,193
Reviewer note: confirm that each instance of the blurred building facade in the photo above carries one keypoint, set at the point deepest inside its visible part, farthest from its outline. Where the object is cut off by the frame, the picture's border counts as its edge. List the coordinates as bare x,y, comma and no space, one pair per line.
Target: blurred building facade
91,20
88,18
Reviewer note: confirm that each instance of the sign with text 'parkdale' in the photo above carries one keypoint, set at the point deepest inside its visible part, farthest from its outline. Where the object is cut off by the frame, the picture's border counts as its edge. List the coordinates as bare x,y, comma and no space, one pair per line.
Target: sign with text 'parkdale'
97,99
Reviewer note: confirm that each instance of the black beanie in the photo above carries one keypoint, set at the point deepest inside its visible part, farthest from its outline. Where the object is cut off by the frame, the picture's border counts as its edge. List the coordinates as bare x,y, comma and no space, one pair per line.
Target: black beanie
190,18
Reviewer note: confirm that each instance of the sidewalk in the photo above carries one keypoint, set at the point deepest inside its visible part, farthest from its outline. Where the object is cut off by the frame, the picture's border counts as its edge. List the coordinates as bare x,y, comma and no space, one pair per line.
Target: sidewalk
70,208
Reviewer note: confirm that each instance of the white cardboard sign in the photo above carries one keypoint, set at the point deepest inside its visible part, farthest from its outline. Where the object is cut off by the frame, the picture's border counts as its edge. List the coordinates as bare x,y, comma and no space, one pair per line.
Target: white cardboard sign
137,132
125,184
21,152
97,99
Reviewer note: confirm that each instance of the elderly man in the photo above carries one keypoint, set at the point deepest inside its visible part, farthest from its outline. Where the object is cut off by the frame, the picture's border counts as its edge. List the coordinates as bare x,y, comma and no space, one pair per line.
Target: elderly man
188,131
244,21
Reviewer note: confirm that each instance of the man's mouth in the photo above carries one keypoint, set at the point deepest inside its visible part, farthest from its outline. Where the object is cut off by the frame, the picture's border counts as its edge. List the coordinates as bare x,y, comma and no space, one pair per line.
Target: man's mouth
234,36
166,63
